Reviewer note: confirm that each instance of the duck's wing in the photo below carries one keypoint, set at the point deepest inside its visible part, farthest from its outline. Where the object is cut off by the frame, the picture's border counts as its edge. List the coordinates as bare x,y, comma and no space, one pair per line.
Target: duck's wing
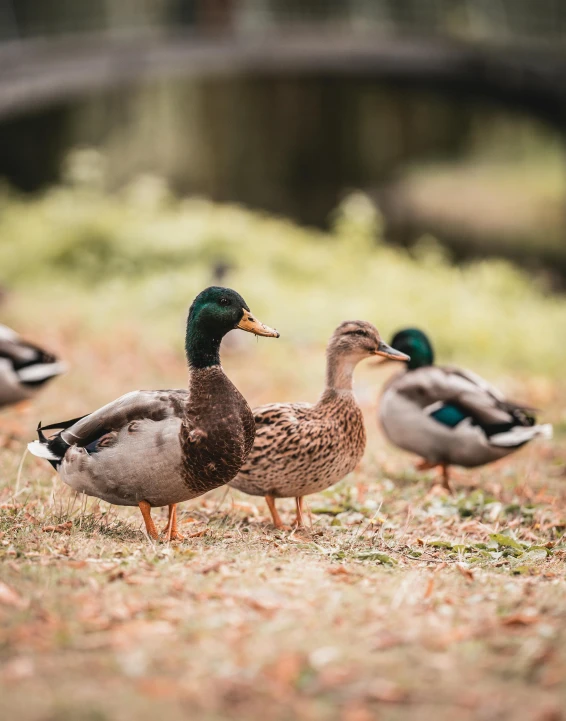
518,413
137,405
451,394
276,425
280,414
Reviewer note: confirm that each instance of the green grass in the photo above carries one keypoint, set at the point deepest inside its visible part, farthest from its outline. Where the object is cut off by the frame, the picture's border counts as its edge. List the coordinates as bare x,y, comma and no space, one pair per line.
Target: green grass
141,255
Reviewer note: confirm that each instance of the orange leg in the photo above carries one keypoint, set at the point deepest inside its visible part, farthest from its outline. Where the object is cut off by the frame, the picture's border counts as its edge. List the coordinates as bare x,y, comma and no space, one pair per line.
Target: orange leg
172,534
446,477
277,522
299,503
145,509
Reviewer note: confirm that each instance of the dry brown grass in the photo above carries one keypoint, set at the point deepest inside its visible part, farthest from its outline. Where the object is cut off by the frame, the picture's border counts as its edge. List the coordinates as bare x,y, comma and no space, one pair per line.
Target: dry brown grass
396,603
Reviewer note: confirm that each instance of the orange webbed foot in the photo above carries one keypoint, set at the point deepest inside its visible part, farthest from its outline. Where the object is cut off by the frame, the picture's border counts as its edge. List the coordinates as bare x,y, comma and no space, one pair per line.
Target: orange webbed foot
170,531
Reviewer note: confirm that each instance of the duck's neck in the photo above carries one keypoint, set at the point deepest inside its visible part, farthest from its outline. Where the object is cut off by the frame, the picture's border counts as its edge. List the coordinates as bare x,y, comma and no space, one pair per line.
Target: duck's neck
202,348
339,372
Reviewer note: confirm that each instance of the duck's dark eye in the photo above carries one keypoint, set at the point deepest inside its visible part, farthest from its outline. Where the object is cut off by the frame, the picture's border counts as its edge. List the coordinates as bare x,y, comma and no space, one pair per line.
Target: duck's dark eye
224,301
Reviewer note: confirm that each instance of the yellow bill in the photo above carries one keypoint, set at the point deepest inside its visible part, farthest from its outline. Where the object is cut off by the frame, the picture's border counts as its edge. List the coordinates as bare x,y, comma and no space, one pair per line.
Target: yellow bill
253,325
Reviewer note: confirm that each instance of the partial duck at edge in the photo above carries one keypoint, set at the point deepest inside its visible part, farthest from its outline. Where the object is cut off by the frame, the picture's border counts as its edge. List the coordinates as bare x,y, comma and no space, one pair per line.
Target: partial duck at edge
24,368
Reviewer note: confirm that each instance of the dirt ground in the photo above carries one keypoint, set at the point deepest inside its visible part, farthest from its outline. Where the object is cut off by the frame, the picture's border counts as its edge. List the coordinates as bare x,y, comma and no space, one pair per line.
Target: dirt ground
397,602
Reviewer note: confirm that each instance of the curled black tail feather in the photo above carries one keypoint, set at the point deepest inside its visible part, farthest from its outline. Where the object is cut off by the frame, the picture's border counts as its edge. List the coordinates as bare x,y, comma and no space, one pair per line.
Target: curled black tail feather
41,435
56,445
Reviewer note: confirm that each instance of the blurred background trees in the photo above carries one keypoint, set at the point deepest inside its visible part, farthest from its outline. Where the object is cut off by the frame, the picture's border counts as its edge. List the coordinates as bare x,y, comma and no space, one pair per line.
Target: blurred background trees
447,113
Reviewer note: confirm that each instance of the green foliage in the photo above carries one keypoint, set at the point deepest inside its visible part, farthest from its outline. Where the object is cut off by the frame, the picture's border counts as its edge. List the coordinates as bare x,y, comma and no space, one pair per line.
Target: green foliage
143,250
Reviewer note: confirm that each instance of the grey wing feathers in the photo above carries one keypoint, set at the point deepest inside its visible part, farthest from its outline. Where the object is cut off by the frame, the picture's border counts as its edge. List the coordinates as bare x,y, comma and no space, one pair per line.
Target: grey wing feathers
476,380
152,405
488,404
469,391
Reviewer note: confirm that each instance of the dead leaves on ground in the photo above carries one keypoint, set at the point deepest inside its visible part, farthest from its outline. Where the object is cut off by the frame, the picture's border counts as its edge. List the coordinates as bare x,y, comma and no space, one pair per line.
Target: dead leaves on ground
382,581
59,528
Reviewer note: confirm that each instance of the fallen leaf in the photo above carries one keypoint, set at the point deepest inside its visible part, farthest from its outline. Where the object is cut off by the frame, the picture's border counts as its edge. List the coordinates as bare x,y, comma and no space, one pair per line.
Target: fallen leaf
216,566
466,572
116,574
61,528
256,605
10,597
159,687
17,669
429,587
137,580
285,670
340,571
506,541
386,691
376,556
356,712
520,619
76,564
386,640
550,713
440,544
198,534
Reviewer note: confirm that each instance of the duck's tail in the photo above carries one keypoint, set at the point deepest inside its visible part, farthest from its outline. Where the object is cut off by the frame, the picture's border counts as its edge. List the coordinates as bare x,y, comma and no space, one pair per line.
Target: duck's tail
52,449
38,373
41,450
519,435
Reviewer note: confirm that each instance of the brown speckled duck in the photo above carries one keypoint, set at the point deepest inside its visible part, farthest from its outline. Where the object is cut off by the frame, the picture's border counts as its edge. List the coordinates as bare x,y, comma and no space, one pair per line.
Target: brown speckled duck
301,448
158,448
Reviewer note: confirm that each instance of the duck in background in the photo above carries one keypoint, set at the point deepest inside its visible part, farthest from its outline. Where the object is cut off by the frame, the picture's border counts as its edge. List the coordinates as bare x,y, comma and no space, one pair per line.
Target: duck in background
24,368
158,448
304,448
449,416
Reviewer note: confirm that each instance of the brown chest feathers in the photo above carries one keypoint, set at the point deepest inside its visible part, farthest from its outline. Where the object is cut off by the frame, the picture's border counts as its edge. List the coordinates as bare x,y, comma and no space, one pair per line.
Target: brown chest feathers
217,431
302,448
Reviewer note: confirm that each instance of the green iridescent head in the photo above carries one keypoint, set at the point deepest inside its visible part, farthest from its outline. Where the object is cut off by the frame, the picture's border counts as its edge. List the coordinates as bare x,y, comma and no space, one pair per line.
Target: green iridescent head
416,344
213,313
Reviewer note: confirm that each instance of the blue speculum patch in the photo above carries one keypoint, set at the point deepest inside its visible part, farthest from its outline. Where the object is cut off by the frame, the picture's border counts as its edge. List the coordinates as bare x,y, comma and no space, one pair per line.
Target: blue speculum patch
449,415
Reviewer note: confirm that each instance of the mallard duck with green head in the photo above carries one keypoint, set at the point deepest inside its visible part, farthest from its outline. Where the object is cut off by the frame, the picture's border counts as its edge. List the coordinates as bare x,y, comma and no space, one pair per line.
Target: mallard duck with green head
450,416
158,448
304,448
24,368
